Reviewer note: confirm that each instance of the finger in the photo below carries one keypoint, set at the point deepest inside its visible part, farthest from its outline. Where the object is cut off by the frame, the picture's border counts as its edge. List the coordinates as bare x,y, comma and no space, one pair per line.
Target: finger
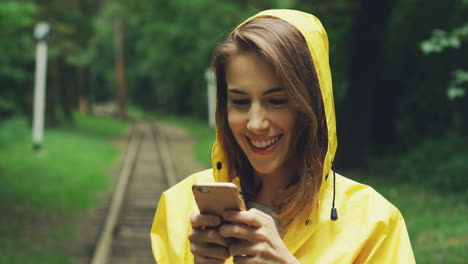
207,260
252,218
204,220
242,248
236,231
242,259
211,251
207,236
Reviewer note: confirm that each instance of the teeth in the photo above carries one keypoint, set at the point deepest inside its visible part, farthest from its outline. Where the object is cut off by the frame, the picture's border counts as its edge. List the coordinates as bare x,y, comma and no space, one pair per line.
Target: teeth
264,144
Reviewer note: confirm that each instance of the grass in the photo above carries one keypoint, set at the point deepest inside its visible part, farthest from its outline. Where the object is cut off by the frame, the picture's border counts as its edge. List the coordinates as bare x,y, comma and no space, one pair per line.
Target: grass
43,193
96,127
436,221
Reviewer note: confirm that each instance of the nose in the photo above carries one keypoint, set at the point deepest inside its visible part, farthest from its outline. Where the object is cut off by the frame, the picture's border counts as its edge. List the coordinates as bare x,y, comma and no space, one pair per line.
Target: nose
258,121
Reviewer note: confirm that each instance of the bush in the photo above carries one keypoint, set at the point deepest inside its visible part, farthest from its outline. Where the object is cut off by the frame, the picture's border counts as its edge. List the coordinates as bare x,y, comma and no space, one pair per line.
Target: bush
12,130
438,163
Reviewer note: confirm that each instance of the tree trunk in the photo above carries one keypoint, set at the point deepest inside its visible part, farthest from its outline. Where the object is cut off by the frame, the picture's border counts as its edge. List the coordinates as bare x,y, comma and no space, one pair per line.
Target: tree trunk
82,90
52,92
365,73
65,90
120,66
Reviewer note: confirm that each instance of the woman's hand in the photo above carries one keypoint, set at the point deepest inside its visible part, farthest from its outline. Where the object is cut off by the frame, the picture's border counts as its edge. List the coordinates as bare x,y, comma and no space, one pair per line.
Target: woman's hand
206,244
257,240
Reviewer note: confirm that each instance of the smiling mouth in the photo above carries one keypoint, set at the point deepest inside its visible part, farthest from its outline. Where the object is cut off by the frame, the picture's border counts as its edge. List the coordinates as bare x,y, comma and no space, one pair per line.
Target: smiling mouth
262,145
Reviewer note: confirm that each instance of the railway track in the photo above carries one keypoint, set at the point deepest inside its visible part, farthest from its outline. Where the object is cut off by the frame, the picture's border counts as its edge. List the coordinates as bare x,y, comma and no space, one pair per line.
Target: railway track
147,170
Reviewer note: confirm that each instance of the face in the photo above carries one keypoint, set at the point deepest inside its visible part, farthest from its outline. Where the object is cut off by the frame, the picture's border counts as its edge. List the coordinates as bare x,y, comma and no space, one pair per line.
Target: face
260,114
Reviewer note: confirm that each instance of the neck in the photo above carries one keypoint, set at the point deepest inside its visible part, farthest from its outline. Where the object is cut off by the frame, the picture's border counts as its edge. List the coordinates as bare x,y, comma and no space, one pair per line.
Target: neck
272,184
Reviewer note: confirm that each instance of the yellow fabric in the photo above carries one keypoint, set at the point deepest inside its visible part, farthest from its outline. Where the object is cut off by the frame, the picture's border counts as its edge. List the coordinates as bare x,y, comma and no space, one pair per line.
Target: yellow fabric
369,228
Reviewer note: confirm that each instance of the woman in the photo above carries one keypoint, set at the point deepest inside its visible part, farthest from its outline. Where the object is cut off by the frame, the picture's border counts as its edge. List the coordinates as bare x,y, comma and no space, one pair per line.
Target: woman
276,139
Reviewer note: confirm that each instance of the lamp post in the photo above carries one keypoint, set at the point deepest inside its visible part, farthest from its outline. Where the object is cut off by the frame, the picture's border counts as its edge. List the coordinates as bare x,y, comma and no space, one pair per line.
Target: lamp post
211,91
41,31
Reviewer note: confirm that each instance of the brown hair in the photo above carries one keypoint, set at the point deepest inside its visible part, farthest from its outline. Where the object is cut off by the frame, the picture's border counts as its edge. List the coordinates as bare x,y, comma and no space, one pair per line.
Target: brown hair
286,50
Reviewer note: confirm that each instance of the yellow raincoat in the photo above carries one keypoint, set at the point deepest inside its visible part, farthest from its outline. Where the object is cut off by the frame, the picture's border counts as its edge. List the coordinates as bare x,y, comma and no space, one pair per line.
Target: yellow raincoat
369,229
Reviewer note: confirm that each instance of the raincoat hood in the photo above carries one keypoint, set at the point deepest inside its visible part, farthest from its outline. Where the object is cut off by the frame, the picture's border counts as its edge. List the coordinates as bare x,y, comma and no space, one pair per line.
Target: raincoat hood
317,41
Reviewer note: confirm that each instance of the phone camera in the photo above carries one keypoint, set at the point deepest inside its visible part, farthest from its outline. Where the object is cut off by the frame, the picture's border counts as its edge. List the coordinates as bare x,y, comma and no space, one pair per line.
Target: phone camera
203,190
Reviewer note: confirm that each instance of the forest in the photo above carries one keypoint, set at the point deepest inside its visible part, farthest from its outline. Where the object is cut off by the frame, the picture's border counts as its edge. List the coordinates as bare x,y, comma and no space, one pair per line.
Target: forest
399,68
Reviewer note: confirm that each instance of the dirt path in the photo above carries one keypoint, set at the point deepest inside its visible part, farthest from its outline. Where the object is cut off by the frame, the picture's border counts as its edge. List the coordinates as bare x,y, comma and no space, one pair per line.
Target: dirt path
181,145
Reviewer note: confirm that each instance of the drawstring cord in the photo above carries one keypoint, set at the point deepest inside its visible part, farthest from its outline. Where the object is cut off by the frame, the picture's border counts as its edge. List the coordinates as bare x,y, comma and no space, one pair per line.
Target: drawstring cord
334,212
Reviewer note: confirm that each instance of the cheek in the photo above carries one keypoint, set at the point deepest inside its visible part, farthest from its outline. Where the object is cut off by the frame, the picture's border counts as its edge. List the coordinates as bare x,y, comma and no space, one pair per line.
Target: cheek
287,121
235,121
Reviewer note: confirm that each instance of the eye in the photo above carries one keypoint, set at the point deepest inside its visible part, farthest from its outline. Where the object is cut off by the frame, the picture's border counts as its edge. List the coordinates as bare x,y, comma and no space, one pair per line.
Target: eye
240,101
279,101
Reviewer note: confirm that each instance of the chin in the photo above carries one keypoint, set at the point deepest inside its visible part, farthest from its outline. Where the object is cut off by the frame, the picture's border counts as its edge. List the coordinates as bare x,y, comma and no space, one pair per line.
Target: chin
262,169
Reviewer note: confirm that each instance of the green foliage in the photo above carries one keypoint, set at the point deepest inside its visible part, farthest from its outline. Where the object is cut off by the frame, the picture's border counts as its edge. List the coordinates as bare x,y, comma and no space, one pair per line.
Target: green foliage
419,81
13,130
172,54
14,255
438,164
284,4
104,127
442,39
169,47
16,43
72,31
456,88
7,107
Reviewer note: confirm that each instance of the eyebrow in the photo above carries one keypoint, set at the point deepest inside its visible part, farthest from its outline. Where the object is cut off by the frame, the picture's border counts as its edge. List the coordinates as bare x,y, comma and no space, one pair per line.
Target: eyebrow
269,91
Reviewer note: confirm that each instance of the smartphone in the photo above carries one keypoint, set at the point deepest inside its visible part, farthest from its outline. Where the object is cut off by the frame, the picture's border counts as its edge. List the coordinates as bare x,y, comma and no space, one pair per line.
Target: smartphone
215,197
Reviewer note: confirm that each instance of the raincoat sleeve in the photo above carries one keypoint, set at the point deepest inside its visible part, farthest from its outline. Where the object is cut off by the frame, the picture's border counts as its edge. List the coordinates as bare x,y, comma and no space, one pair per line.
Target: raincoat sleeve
392,247
159,233
171,225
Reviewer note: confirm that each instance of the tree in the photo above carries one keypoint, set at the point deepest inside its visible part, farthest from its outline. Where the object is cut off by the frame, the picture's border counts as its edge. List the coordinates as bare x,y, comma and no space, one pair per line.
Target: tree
17,58
365,81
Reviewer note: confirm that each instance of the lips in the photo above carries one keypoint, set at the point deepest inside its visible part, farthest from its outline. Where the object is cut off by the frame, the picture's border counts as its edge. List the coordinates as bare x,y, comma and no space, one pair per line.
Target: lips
263,145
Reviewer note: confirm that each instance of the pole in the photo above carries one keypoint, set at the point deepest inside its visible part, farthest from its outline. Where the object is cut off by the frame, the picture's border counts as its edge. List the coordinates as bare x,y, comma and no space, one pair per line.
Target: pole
120,65
211,90
41,31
